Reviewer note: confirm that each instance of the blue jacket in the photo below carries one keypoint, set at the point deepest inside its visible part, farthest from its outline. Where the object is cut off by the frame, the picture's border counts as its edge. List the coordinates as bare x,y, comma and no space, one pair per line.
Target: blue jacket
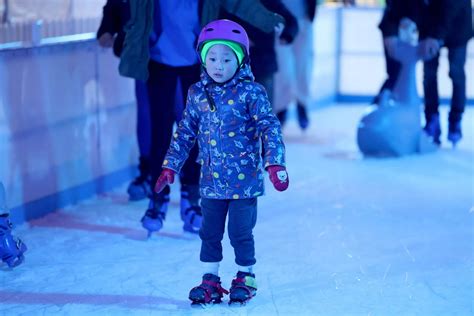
230,131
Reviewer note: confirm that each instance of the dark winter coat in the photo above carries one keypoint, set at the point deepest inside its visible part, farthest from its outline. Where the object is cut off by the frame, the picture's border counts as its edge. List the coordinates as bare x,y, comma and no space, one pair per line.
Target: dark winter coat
311,9
135,56
230,131
116,14
447,20
262,51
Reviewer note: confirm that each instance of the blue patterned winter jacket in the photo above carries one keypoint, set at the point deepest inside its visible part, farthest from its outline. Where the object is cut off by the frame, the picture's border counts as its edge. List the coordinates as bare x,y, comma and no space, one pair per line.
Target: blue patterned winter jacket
230,131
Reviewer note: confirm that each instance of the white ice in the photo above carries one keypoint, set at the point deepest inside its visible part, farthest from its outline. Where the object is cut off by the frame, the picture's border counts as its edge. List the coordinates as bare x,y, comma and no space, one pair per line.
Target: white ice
352,236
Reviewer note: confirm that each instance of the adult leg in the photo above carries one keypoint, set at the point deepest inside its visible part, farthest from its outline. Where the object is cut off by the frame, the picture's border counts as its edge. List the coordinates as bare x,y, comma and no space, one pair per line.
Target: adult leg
430,86
143,119
267,81
190,173
140,187
393,69
457,60
191,169
161,82
303,50
161,86
284,90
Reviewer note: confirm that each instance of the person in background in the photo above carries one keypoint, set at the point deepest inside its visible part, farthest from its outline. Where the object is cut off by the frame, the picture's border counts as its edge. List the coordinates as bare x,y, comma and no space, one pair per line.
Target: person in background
159,48
11,248
392,67
229,115
292,81
262,45
116,14
441,23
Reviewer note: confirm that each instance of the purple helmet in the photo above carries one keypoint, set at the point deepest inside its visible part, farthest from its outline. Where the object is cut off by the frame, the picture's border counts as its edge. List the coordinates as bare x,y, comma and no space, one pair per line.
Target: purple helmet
224,30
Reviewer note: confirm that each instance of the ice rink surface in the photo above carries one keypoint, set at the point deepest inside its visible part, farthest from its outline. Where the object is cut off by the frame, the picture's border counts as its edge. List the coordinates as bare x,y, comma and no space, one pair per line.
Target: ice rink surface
351,236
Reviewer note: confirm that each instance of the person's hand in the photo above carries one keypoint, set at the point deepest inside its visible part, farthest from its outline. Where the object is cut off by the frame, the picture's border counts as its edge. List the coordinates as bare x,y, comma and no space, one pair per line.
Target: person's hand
166,177
390,43
106,40
278,177
279,29
430,47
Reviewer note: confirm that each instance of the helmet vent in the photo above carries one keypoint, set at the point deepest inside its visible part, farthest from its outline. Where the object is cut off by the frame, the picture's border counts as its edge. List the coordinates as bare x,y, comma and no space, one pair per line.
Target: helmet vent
236,31
210,29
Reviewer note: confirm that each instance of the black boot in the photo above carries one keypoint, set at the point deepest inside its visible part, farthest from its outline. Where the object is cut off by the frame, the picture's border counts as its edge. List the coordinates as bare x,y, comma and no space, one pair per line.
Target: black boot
156,211
281,115
302,113
141,188
209,291
454,132
190,209
11,248
432,128
244,287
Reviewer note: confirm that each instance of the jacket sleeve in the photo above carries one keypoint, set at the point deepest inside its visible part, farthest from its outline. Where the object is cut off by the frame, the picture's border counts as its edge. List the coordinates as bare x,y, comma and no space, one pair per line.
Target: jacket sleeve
253,12
184,137
291,24
135,54
110,18
268,128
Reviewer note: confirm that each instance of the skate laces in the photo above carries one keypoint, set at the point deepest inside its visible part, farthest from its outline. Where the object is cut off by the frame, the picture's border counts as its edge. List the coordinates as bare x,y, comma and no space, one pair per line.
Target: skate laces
209,288
216,286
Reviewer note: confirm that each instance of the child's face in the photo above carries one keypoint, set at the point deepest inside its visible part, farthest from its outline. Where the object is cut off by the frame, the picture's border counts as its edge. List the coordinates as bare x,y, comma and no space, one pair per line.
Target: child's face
221,63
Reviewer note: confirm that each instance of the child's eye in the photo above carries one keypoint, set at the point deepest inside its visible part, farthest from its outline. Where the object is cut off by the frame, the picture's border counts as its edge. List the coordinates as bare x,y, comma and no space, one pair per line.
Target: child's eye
212,59
226,60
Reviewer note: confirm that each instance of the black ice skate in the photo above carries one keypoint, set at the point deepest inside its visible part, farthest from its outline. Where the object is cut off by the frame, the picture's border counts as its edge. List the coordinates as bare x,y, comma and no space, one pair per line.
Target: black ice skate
141,188
454,133
190,209
154,216
244,287
302,115
209,291
11,248
433,129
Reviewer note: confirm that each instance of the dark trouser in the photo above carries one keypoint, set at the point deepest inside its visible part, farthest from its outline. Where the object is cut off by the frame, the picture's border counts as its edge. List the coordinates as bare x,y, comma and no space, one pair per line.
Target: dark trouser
393,68
143,119
166,107
266,80
457,60
242,220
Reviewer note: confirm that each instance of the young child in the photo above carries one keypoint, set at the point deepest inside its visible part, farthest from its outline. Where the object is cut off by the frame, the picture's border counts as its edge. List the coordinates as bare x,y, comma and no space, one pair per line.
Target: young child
230,116
11,248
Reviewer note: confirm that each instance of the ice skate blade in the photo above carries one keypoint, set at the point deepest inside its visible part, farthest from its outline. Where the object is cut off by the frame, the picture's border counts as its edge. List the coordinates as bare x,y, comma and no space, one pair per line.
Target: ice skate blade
202,304
239,303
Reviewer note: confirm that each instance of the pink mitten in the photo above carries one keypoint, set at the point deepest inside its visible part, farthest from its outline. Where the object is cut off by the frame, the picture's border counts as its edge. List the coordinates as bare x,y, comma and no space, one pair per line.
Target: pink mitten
279,177
166,177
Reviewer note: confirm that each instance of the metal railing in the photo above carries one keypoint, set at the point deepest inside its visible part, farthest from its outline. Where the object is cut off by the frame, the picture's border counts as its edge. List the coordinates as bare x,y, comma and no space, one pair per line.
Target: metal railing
31,33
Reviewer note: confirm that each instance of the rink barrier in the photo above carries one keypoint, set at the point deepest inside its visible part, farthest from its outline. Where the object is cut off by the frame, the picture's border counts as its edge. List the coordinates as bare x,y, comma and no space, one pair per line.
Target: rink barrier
67,124
58,200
